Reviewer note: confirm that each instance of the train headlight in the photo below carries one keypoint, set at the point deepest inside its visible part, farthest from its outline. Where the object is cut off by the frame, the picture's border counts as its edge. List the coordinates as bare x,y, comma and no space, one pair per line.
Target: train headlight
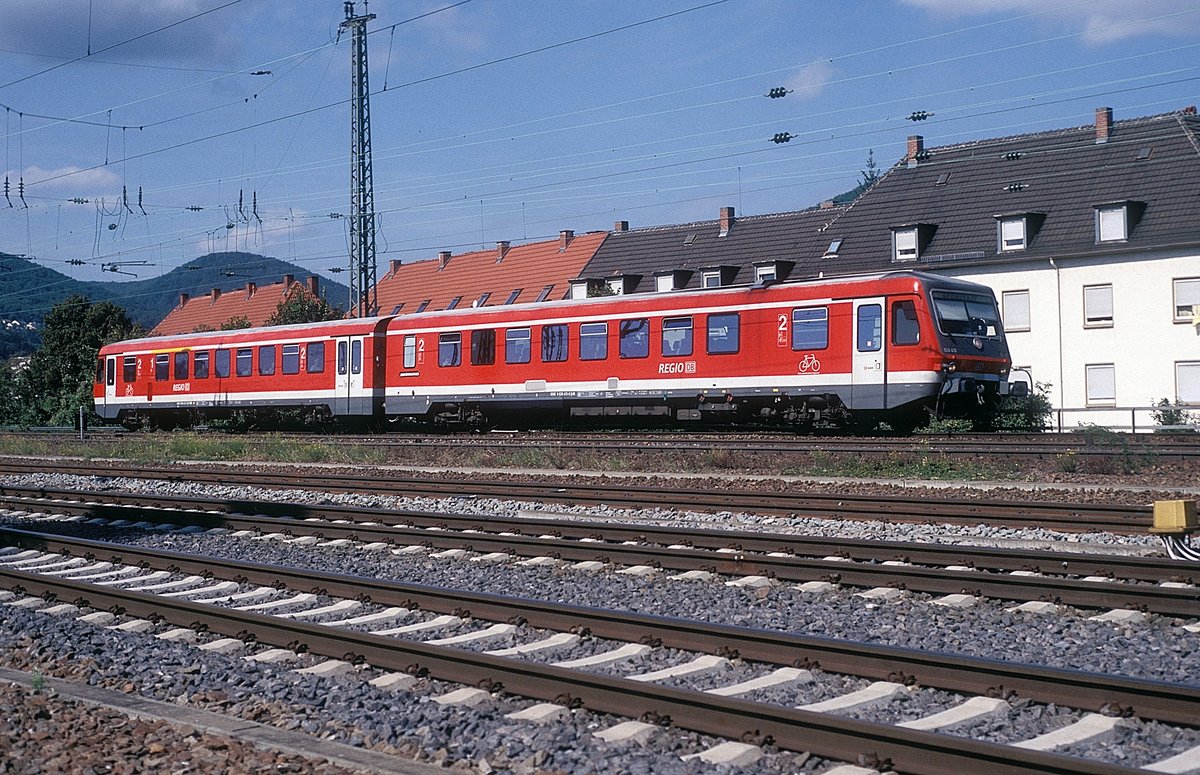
950,366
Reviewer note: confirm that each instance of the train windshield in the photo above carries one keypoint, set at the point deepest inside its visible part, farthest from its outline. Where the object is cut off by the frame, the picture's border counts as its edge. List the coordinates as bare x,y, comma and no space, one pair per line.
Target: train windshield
966,314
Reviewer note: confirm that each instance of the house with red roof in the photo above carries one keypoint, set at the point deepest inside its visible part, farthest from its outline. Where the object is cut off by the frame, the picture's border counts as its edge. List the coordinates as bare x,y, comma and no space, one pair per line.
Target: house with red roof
257,303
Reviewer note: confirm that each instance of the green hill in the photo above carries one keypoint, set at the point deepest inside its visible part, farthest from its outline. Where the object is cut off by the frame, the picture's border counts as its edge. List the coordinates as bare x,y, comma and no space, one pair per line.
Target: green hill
29,290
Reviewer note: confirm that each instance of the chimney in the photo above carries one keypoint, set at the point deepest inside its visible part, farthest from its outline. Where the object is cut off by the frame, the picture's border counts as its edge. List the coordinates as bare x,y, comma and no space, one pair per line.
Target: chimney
216,294
395,266
916,149
501,250
313,286
726,220
443,259
250,289
621,226
183,299
287,281
1103,124
564,238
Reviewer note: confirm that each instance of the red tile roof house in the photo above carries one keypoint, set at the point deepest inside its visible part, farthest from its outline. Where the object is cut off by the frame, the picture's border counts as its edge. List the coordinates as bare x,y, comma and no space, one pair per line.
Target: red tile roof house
253,302
509,274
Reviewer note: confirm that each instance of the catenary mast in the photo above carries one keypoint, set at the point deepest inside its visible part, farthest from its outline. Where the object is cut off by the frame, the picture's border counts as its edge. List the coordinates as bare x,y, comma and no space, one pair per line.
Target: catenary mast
363,301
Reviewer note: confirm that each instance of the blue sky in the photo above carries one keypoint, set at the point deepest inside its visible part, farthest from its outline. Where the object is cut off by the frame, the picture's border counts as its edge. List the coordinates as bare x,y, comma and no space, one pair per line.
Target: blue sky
514,119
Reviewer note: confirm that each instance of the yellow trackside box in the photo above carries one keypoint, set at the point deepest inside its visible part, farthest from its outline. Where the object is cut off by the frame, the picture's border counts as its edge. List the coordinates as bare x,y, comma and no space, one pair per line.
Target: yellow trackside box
1174,517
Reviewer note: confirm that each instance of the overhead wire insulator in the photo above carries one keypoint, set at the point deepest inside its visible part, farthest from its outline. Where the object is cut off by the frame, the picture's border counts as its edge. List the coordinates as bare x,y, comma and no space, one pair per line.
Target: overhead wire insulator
78,200
10,204
919,115
195,208
782,137
778,91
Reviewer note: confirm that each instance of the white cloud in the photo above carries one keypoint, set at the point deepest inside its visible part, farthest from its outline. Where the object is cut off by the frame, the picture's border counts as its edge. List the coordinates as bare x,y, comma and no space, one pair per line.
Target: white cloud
810,80
72,181
1096,21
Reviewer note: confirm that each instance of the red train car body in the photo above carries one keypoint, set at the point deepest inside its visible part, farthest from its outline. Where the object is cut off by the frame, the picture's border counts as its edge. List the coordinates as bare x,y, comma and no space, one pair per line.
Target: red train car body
845,352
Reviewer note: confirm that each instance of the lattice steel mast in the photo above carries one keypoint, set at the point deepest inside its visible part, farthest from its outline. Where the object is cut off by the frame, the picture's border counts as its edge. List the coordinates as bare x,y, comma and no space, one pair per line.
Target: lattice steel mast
363,301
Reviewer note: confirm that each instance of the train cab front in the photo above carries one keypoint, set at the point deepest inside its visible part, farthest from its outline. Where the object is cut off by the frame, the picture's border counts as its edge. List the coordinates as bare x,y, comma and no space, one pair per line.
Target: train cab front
975,360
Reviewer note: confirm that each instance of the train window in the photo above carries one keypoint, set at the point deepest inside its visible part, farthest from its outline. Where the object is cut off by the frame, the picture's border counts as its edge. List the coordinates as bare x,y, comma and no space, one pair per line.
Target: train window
810,328
316,357
870,327
129,369
162,367
723,333
266,360
410,352
341,356
483,347
244,362
110,376
516,345
554,343
200,365
356,356
449,349
676,337
905,327
99,370
291,359
222,365
967,314
181,365
593,341
635,338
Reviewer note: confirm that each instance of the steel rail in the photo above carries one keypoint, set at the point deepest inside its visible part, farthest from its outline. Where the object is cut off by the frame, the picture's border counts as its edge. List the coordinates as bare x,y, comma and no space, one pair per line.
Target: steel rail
776,556
1157,700
1068,517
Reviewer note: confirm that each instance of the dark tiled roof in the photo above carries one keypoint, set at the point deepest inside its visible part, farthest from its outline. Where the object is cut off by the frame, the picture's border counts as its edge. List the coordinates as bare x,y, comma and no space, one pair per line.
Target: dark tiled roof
751,239
1060,174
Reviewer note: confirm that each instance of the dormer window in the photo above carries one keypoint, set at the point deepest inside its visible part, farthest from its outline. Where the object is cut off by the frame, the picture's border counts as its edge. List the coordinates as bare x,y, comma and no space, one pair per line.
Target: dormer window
1015,231
717,276
772,271
765,273
623,284
671,280
710,279
1115,221
909,241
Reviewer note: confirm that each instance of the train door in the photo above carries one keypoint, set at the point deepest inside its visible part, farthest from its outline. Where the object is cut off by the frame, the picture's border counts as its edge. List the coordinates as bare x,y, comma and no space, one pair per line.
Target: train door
350,398
110,388
868,373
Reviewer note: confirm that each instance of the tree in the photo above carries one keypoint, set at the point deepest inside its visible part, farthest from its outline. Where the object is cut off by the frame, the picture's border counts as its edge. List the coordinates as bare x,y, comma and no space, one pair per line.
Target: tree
870,174
59,378
234,323
303,307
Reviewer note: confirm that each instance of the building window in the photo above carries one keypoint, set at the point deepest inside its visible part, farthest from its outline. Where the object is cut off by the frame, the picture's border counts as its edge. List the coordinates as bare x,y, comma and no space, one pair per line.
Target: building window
906,329
593,341
454,302
516,345
1097,306
512,297
1110,223
810,328
483,347
664,282
129,368
1012,234
162,367
483,297
835,245
449,349
710,279
904,243
635,338
266,360
617,286
764,274
554,343
676,337
181,365
1187,299
200,366
421,307
1016,310
291,359
1187,382
545,294
315,357
1101,381
723,334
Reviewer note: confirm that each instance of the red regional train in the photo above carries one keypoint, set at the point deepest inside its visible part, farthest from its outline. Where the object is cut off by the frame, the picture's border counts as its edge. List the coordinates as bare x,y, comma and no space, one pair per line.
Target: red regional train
833,353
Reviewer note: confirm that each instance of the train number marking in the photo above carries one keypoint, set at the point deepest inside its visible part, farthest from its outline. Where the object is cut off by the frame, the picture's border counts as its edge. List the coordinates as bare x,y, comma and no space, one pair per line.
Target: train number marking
781,331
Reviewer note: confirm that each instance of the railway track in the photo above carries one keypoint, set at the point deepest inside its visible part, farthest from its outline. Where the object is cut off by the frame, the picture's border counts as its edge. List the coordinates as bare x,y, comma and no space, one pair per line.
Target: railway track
1151,447
908,748
1081,580
947,509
